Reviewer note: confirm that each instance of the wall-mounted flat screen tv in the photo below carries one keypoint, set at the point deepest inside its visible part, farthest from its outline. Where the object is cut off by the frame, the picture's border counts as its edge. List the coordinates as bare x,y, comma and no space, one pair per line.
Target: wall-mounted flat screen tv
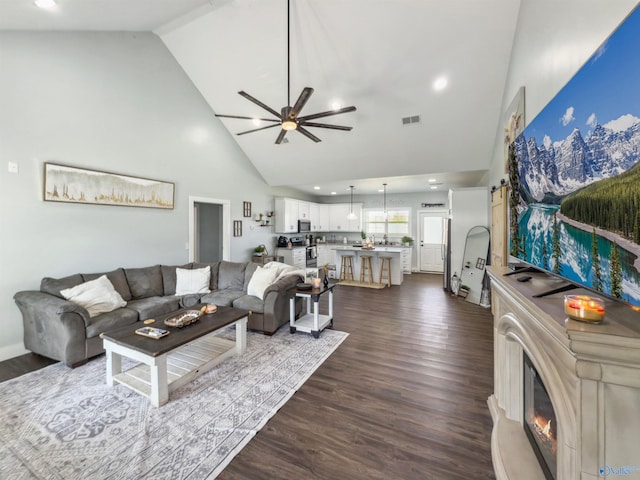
575,176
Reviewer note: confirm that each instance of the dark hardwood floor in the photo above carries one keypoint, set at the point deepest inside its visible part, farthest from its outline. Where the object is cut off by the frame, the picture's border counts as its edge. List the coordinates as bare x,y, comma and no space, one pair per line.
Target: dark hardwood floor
404,396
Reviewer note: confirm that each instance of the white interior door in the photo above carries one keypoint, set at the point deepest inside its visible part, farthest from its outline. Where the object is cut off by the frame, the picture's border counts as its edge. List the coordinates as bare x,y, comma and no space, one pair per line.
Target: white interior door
432,241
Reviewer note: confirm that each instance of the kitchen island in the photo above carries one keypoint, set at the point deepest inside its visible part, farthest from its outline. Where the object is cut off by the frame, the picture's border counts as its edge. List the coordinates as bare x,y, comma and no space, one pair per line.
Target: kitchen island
394,252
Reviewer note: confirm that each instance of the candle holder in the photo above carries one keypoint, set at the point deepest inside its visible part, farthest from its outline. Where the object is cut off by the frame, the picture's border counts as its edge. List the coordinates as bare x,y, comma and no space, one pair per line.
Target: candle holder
316,282
584,308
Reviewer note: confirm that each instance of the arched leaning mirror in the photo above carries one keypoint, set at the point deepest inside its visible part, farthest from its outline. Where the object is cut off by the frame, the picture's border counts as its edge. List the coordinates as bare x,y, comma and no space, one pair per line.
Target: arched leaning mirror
476,252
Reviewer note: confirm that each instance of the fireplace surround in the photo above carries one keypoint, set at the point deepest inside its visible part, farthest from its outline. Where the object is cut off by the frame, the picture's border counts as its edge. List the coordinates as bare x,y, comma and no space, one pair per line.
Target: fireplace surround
591,374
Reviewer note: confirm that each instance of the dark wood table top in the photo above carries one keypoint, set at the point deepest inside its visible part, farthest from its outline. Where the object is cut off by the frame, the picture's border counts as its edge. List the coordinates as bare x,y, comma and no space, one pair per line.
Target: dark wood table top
177,337
313,291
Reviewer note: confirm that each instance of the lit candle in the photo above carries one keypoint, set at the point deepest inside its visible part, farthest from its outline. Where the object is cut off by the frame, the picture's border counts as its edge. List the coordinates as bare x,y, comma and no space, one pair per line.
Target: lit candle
584,308
316,282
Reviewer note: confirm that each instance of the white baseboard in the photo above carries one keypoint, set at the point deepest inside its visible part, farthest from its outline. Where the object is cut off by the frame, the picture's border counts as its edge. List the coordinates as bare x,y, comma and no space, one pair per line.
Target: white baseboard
11,351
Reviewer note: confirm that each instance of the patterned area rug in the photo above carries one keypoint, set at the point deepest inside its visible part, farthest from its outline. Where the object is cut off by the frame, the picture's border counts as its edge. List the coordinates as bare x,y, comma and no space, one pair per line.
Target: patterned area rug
59,423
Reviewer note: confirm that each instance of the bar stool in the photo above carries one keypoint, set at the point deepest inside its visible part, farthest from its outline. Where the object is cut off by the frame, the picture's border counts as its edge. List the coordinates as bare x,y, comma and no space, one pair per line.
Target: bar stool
366,270
385,270
346,267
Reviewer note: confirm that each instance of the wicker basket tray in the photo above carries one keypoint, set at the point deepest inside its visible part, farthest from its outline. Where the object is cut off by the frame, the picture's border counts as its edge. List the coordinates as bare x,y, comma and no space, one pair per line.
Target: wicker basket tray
183,319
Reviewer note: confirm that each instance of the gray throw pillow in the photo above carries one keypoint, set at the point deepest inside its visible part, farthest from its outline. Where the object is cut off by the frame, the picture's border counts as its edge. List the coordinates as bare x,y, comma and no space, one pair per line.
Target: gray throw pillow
145,282
53,286
231,276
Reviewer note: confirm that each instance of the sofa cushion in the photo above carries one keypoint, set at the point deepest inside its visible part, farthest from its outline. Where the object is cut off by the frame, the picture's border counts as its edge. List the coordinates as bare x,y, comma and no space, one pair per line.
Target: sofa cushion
151,307
215,269
224,298
261,279
53,286
96,296
169,277
117,279
192,281
110,321
249,302
145,282
231,276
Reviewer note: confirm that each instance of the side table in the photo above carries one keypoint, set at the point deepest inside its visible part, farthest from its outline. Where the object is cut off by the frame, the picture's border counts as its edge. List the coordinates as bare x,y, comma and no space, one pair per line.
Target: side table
312,322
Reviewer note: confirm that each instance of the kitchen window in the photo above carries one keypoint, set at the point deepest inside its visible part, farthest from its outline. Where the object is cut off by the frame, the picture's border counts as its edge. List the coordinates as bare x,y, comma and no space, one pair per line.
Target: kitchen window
395,225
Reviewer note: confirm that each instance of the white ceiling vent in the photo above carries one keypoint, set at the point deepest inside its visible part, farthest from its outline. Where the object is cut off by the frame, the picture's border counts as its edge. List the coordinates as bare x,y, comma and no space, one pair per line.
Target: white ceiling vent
410,120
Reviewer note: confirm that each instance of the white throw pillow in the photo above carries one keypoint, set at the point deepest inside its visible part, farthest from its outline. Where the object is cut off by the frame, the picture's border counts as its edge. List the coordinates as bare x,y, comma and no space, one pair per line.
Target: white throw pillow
192,281
96,296
260,280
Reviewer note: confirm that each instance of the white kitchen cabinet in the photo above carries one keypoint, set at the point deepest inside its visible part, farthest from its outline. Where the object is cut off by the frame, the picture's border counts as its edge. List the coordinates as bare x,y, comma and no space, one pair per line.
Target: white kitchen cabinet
407,254
303,210
338,221
323,218
286,215
326,255
296,256
314,216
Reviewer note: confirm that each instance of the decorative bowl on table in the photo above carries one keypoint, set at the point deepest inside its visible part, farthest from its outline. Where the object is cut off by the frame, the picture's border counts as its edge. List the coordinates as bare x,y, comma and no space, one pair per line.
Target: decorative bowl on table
183,319
304,286
584,308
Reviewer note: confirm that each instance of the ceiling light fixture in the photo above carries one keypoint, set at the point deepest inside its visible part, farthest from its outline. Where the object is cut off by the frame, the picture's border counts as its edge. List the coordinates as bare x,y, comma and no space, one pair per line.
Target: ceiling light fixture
289,125
45,4
440,84
351,216
316,187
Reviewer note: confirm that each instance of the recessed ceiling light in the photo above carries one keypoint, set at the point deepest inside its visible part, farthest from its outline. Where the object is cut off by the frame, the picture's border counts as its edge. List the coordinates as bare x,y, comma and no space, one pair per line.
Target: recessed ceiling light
316,187
440,83
433,187
333,193
431,180
381,190
46,4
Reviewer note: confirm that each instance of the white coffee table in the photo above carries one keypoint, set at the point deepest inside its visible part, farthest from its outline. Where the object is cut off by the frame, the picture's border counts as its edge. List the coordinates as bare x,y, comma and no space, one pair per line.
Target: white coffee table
175,360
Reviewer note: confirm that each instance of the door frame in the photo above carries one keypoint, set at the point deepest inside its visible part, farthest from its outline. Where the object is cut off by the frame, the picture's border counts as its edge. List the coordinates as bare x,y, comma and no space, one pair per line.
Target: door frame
443,212
226,225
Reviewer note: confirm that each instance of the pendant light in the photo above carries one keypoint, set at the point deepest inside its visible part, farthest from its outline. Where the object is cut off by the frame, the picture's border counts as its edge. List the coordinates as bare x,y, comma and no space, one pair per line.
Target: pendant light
384,189
351,216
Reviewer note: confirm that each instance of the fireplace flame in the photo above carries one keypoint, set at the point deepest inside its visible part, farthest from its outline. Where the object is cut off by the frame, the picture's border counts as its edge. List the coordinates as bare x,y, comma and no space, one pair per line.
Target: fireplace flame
545,434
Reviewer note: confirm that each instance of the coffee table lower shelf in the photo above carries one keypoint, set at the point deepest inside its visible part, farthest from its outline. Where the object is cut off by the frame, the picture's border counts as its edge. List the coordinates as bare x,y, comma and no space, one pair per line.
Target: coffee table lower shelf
156,376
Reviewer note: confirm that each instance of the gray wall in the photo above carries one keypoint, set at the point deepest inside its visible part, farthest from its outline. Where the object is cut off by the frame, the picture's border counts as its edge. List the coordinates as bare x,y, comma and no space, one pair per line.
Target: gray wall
116,102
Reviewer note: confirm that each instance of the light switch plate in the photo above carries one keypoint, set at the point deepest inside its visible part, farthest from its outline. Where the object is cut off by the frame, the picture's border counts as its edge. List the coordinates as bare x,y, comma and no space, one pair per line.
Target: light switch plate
12,167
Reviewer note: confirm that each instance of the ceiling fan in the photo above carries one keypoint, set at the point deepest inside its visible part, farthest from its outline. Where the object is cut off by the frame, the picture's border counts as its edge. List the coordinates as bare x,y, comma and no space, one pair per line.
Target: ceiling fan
288,119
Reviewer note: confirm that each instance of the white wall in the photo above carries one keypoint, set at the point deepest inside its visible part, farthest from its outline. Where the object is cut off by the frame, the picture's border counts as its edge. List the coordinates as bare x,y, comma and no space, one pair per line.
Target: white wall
116,102
553,40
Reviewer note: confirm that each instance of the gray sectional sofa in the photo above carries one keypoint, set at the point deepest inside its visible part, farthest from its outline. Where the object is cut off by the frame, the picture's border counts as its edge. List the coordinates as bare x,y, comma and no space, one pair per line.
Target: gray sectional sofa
59,329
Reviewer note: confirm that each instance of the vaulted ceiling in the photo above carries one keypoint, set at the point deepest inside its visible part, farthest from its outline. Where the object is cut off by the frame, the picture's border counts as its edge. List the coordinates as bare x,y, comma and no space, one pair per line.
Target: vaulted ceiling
382,56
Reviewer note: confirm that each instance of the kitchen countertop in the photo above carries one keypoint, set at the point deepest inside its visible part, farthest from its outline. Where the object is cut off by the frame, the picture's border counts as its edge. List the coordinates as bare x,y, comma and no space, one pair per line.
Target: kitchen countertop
351,248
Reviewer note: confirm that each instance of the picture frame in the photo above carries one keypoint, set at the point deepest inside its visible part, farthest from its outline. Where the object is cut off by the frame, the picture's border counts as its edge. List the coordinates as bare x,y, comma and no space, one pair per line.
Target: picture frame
246,209
237,228
67,184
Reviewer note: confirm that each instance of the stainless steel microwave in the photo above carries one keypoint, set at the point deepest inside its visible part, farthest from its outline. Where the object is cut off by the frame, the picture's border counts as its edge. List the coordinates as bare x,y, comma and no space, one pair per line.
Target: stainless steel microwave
304,226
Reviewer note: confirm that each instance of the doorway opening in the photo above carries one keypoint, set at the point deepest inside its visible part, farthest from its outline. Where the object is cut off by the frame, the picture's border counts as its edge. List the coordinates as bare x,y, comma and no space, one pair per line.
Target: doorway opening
209,230
432,241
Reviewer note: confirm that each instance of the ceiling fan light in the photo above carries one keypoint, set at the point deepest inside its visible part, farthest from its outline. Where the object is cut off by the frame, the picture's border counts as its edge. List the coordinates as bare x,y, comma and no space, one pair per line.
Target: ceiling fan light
289,125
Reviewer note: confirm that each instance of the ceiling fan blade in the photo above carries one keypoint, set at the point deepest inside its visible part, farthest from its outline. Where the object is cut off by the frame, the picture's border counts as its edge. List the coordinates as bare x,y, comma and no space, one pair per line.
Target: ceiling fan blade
308,134
259,103
258,129
249,118
301,102
327,113
283,132
325,125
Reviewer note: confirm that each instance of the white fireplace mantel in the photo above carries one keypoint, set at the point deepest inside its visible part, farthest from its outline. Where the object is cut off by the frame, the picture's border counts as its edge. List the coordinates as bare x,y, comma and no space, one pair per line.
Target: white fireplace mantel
591,372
